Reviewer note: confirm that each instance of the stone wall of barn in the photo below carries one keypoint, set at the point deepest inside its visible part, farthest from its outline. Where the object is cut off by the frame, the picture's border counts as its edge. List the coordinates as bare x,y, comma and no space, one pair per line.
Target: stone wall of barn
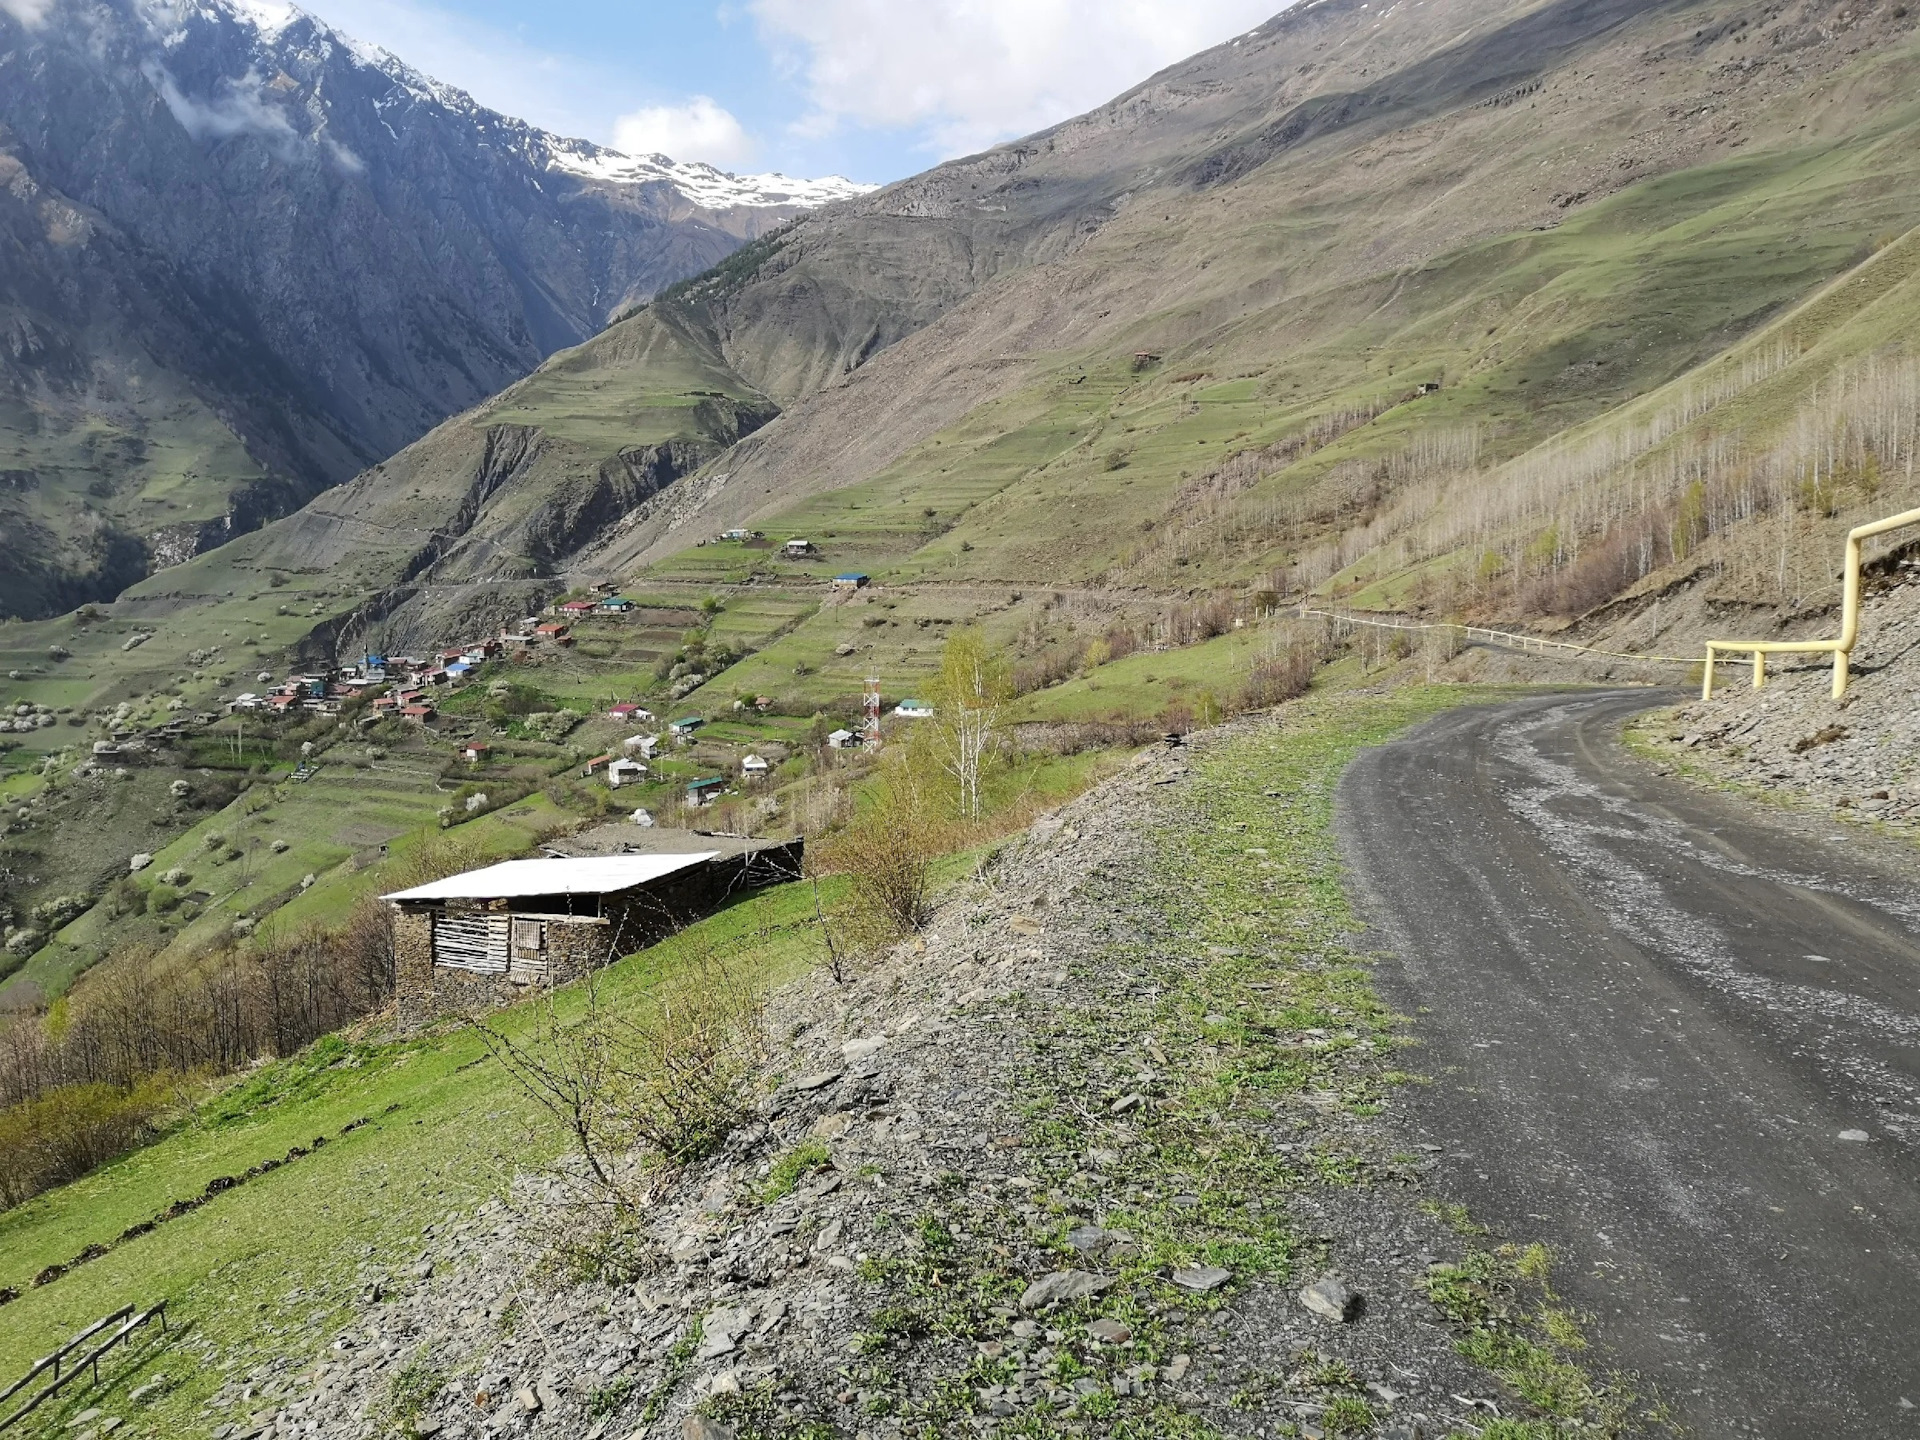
425,992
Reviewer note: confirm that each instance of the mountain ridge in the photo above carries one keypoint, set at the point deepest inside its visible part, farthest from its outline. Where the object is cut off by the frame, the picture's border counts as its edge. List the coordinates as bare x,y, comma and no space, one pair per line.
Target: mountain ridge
1335,183
325,250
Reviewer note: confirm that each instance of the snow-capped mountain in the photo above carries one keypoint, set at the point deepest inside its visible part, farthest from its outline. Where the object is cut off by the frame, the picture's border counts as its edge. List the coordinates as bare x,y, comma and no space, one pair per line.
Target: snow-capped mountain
702,184
249,255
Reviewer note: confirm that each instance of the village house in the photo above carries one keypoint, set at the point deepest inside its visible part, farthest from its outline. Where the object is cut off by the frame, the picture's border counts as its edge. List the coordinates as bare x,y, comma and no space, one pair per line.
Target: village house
615,605
754,765
913,710
705,791
575,608
476,752
627,710
553,632
645,744
850,580
843,740
625,772
477,940
683,729
798,549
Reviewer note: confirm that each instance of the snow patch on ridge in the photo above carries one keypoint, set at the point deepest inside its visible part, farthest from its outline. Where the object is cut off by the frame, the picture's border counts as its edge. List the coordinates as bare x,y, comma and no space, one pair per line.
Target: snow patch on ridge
703,184
700,184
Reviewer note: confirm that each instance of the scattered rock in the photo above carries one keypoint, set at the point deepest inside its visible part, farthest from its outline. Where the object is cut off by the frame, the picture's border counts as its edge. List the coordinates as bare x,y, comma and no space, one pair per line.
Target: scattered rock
1110,1332
722,1330
1855,1135
139,862
699,1427
1201,1278
1332,1298
1063,1286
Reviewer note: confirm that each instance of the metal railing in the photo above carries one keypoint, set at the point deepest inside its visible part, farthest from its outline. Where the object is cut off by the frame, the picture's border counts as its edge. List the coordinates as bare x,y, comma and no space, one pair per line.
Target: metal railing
1841,647
129,1321
1508,639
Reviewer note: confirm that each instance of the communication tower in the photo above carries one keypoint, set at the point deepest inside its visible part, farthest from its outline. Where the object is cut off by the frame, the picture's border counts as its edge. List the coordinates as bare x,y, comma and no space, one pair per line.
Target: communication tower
872,727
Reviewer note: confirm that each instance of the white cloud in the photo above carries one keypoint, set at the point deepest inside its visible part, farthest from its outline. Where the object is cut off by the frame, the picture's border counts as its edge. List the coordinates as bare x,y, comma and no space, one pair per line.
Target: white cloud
28,12
968,73
241,108
238,110
697,130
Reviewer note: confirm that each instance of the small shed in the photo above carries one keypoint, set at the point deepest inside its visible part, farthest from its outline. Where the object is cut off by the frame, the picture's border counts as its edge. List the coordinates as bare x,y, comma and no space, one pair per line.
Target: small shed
843,740
795,549
850,580
477,940
476,752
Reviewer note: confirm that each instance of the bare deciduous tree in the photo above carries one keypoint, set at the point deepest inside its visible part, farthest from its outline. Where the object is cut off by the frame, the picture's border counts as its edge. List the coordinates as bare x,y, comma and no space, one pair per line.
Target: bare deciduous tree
972,689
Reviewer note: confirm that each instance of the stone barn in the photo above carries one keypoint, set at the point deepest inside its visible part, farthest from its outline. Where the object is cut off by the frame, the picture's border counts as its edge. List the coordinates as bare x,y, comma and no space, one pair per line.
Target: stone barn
485,938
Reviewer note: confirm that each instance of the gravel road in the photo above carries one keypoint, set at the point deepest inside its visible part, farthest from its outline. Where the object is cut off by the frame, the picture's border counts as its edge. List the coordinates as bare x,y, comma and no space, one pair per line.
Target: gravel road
1674,1036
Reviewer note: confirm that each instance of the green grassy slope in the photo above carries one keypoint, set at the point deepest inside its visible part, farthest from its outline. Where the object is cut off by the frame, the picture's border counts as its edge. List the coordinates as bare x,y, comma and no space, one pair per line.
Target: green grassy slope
268,1267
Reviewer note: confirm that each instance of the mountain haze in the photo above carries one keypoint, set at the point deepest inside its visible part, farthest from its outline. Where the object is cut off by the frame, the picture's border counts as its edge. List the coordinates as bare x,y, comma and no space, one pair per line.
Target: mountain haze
248,257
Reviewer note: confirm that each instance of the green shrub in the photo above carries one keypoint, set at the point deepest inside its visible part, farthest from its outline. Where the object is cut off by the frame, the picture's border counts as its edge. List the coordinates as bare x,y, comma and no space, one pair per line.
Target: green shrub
71,1130
787,1170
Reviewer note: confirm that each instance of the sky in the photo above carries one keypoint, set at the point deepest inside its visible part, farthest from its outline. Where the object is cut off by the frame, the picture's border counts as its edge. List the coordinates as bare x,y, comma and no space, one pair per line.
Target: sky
870,89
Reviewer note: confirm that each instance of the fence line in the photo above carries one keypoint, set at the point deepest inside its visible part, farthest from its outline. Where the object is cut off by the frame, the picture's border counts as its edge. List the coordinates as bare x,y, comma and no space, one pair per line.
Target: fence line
1531,644
91,1360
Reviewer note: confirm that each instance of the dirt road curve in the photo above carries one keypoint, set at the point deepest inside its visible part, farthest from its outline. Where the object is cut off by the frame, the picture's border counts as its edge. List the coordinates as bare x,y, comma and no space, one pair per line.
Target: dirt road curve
1674,1037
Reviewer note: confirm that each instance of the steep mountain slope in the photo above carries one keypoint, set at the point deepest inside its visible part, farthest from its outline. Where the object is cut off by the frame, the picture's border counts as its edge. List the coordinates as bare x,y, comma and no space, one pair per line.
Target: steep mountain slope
247,257
1185,337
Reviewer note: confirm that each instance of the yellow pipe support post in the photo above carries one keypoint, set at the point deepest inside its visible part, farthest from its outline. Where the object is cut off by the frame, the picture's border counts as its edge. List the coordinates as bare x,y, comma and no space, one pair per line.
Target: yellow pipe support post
1842,647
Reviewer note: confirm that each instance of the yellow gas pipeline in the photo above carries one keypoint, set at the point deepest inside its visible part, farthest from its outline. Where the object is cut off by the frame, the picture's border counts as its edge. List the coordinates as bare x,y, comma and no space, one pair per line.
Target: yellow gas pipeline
1842,647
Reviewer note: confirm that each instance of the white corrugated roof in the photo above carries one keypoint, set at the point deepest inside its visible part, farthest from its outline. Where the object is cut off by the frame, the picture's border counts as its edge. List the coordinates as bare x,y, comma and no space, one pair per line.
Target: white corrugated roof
586,875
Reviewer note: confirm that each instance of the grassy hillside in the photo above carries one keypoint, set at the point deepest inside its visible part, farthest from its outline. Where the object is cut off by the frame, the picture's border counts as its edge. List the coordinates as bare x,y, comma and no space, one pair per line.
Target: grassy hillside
441,1130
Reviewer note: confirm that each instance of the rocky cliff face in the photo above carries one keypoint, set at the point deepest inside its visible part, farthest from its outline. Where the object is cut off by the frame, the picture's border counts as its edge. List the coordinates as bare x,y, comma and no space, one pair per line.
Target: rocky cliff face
248,257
